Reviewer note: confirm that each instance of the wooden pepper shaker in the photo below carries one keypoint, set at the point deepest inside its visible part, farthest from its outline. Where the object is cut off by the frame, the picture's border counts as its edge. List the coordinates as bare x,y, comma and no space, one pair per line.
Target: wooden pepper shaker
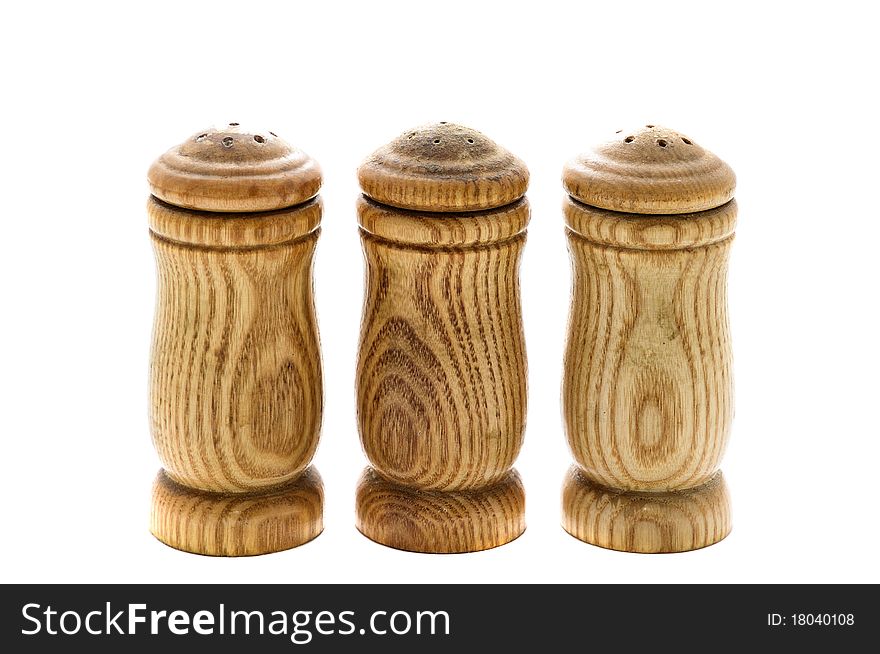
236,389
441,378
647,390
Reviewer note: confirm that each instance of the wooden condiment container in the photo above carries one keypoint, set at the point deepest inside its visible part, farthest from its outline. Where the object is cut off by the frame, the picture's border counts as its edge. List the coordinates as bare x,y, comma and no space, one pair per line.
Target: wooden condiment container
647,389
236,389
441,376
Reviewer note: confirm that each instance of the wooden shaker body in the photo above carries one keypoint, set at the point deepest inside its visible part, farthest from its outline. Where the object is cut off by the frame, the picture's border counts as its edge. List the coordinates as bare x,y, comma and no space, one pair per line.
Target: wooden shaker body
235,373
441,373
647,388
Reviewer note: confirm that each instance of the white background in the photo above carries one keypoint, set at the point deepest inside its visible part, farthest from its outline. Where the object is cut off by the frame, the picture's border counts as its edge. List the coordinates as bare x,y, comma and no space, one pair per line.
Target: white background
92,93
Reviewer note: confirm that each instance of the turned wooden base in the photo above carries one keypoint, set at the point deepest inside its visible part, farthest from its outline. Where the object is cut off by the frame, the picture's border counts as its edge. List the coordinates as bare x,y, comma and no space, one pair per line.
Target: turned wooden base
440,522
677,521
218,524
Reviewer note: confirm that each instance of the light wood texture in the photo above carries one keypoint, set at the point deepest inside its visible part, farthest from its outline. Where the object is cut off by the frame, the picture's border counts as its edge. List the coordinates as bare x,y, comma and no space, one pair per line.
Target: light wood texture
231,168
236,372
648,387
237,524
632,231
651,170
434,522
233,231
441,378
647,523
235,375
648,396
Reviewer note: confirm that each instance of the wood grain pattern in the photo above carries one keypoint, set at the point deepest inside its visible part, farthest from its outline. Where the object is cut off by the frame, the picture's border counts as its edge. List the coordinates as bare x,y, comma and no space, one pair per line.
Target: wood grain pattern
441,377
235,373
236,369
437,230
634,231
237,524
441,369
450,522
647,523
233,231
648,386
648,397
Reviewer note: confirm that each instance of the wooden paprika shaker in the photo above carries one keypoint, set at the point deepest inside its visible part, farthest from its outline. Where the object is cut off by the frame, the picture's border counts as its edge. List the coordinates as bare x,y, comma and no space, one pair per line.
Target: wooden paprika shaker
441,378
647,389
235,375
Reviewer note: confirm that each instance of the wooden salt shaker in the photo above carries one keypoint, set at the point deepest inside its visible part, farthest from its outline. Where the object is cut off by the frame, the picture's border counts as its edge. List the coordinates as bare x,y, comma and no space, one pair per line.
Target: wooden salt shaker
647,391
441,378
236,394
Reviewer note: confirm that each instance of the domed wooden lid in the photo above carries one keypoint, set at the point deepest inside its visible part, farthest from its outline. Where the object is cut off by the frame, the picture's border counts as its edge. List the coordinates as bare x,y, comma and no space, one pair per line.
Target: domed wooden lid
443,167
234,169
651,170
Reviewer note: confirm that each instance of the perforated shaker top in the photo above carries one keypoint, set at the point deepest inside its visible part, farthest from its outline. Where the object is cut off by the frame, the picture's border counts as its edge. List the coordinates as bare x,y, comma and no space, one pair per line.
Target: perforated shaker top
443,167
233,169
650,170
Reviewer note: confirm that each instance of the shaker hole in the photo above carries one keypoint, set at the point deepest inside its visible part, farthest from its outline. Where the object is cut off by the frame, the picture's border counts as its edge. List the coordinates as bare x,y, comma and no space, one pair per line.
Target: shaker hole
688,141
649,126
661,142
274,134
227,141
629,139
436,141
259,139
471,141
233,124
